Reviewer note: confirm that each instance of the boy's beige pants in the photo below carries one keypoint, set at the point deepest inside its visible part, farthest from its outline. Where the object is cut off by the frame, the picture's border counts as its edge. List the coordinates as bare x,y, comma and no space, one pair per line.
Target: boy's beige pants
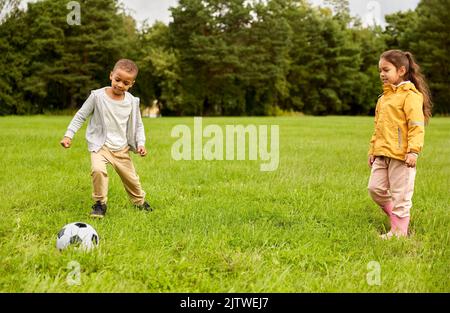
391,180
122,164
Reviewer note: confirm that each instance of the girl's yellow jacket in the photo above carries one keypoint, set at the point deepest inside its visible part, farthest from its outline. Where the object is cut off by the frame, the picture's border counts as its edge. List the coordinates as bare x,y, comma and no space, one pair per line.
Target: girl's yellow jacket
399,122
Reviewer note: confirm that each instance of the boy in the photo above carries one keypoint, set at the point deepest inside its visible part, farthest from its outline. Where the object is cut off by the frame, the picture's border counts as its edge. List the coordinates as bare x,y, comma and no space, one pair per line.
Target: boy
114,128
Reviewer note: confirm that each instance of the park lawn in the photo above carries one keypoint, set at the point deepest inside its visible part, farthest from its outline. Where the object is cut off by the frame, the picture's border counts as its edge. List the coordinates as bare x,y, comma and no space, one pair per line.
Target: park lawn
221,226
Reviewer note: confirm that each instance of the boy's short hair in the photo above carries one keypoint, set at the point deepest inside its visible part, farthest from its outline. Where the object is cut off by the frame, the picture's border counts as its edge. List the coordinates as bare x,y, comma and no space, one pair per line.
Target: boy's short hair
126,65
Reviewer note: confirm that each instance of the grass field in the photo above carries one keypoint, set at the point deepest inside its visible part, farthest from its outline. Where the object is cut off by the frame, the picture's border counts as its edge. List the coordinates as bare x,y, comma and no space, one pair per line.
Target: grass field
221,226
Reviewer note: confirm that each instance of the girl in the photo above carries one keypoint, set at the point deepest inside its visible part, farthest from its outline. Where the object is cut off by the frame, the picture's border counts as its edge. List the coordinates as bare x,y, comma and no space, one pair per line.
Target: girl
401,114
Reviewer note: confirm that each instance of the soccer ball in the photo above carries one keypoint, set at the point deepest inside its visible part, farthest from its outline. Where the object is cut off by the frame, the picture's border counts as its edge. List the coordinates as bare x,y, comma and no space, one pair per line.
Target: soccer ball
77,234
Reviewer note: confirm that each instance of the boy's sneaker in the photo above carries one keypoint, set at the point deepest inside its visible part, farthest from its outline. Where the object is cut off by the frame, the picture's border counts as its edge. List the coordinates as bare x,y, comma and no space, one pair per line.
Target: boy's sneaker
99,210
145,206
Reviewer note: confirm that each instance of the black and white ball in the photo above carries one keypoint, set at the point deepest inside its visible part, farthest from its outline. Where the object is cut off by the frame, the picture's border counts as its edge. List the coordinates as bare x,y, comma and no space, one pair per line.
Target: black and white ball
77,234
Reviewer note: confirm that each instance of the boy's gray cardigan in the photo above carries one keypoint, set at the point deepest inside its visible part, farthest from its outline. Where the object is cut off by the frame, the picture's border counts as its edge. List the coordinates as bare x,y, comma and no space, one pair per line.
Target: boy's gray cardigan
96,130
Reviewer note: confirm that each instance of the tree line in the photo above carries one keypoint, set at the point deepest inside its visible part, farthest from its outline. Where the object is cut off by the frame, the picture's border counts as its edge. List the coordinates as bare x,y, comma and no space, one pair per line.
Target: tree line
217,57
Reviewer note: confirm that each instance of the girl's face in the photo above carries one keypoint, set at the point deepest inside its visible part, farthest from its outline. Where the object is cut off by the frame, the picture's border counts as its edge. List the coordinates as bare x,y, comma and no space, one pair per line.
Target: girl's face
389,74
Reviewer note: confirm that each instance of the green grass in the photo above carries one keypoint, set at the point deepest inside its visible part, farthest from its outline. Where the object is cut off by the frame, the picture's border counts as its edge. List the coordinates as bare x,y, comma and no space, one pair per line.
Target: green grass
221,226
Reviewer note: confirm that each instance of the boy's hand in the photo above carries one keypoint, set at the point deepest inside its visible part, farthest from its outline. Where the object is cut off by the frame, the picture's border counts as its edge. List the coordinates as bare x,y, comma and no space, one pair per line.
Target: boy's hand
411,160
142,151
371,160
66,142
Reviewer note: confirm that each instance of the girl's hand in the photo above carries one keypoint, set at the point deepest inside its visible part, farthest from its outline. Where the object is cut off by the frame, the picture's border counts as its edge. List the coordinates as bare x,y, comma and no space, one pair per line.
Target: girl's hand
411,160
142,151
371,160
66,142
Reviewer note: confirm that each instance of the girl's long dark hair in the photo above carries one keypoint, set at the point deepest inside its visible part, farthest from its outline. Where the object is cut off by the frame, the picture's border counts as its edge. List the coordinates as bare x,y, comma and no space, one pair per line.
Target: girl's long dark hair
413,73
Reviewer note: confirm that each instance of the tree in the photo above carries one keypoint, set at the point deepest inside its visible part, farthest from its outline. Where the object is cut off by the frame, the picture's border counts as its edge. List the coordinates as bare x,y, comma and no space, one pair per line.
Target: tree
324,75
401,29
57,63
231,62
371,42
424,33
217,57
267,58
13,63
8,7
432,50
159,76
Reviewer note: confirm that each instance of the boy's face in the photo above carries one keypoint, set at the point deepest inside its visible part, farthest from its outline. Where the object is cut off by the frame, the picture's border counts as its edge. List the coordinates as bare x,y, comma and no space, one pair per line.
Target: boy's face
389,74
121,81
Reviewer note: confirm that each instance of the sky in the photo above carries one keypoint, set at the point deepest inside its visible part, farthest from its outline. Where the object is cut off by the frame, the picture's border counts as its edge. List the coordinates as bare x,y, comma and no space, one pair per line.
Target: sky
368,10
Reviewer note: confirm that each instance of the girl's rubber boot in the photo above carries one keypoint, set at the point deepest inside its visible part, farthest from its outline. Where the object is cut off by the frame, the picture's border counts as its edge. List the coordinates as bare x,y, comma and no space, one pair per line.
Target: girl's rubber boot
387,208
399,225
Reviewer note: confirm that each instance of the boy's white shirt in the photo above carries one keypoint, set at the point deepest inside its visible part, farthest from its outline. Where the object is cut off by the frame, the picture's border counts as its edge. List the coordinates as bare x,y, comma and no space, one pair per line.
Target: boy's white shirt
117,113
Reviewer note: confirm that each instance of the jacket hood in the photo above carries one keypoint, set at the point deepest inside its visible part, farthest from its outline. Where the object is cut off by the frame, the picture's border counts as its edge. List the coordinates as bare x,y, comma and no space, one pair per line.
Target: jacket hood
405,86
